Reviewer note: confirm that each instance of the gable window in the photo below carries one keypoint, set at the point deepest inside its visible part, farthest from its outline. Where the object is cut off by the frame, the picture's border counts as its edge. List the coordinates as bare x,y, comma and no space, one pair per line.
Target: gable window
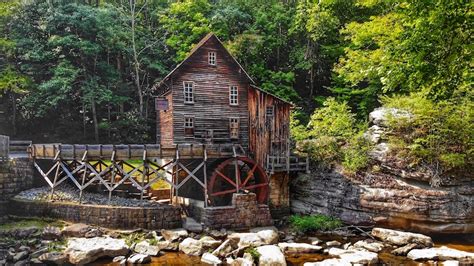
211,56
269,111
233,95
189,126
234,127
188,91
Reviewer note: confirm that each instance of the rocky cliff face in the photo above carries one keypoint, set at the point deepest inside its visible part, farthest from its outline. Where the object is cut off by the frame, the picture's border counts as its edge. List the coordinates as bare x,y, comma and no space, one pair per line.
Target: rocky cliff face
392,195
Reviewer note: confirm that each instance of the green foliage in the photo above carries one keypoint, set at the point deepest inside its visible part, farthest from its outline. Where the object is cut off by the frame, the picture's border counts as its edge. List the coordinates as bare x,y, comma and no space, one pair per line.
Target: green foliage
133,238
437,135
311,223
335,137
254,253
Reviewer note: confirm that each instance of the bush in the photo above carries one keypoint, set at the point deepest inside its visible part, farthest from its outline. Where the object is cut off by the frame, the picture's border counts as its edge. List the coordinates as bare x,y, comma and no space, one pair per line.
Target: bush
312,223
335,137
438,135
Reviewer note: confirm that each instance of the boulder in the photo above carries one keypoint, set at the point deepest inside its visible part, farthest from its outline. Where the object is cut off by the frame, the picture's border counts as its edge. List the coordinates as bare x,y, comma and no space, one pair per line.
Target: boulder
55,258
24,232
329,262
369,245
333,243
403,251
241,262
85,250
354,256
139,259
299,248
271,256
210,259
191,225
269,235
144,247
39,252
441,253
191,247
20,256
246,239
219,234
51,233
174,234
76,230
167,245
315,240
223,249
360,257
209,243
400,238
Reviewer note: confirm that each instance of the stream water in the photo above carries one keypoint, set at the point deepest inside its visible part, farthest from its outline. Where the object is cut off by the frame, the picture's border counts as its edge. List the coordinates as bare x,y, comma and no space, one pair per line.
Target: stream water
460,242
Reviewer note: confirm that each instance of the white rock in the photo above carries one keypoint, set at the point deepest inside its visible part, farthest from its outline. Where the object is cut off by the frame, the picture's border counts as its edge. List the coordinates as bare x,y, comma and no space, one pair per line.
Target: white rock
192,225
144,247
370,246
379,116
210,259
246,239
329,262
241,262
441,253
85,250
174,234
360,257
139,259
223,249
450,263
269,234
191,247
209,242
315,240
400,238
333,243
167,245
299,248
271,256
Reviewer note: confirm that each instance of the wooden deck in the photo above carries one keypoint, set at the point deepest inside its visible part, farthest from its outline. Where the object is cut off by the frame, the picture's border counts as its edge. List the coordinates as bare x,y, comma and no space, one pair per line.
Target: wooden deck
133,151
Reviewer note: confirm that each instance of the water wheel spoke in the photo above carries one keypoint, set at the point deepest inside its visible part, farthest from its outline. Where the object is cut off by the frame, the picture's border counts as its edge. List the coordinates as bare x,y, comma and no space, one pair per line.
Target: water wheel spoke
250,174
226,178
220,193
255,186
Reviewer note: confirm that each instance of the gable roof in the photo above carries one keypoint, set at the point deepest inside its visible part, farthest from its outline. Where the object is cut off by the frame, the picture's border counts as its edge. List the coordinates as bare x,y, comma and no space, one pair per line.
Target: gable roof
195,48
273,95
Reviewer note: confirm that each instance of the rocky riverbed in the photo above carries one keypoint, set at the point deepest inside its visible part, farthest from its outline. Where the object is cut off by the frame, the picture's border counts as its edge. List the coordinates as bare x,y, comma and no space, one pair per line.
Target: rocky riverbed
84,244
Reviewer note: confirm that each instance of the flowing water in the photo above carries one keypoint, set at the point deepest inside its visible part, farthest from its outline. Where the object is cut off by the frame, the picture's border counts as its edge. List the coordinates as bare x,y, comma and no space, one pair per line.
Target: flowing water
460,242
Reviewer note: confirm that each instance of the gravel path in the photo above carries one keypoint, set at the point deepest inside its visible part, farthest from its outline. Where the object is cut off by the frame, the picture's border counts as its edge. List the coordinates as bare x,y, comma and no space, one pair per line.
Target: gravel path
66,193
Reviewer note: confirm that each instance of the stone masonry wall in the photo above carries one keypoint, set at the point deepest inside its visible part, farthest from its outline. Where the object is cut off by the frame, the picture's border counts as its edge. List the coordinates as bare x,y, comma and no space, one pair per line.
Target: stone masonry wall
159,217
15,175
245,212
279,195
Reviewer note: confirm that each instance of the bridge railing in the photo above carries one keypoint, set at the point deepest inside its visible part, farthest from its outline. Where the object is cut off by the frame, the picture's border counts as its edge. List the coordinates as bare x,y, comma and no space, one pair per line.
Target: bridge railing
4,147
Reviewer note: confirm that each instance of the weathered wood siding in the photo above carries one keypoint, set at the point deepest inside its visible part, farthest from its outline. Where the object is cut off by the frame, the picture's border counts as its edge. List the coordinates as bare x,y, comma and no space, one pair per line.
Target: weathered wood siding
211,108
164,122
267,136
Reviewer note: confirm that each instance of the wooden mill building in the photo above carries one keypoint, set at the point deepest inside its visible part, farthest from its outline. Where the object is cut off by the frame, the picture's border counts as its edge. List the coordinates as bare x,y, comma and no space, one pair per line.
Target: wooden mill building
209,98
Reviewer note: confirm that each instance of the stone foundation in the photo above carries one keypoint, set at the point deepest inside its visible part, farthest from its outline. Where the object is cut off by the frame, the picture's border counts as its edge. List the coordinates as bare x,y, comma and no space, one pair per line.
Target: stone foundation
244,213
15,175
279,201
161,216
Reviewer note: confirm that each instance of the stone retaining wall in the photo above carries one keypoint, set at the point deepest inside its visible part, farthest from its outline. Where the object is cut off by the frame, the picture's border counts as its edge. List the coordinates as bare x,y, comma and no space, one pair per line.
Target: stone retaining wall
15,175
245,212
161,216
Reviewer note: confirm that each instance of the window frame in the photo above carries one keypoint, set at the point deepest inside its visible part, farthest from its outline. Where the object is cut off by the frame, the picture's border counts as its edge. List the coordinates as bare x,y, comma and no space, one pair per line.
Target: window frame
186,93
212,58
189,129
236,95
237,128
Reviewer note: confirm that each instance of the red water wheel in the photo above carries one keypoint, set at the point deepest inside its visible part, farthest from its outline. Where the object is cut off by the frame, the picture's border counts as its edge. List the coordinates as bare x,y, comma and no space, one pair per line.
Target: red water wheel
237,174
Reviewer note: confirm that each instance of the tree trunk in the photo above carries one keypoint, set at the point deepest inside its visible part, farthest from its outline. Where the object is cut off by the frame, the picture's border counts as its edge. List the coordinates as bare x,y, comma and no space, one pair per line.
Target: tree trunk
14,114
136,63
94,118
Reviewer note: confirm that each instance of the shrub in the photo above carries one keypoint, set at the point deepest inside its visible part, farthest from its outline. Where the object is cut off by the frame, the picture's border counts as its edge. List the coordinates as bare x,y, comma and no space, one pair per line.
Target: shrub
312,223
356,153
438,136
254,253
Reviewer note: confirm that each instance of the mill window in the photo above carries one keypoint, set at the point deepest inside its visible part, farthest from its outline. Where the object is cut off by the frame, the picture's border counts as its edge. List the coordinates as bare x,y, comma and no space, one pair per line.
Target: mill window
189,126
233,95
212,58
234,128
188,91
269,111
